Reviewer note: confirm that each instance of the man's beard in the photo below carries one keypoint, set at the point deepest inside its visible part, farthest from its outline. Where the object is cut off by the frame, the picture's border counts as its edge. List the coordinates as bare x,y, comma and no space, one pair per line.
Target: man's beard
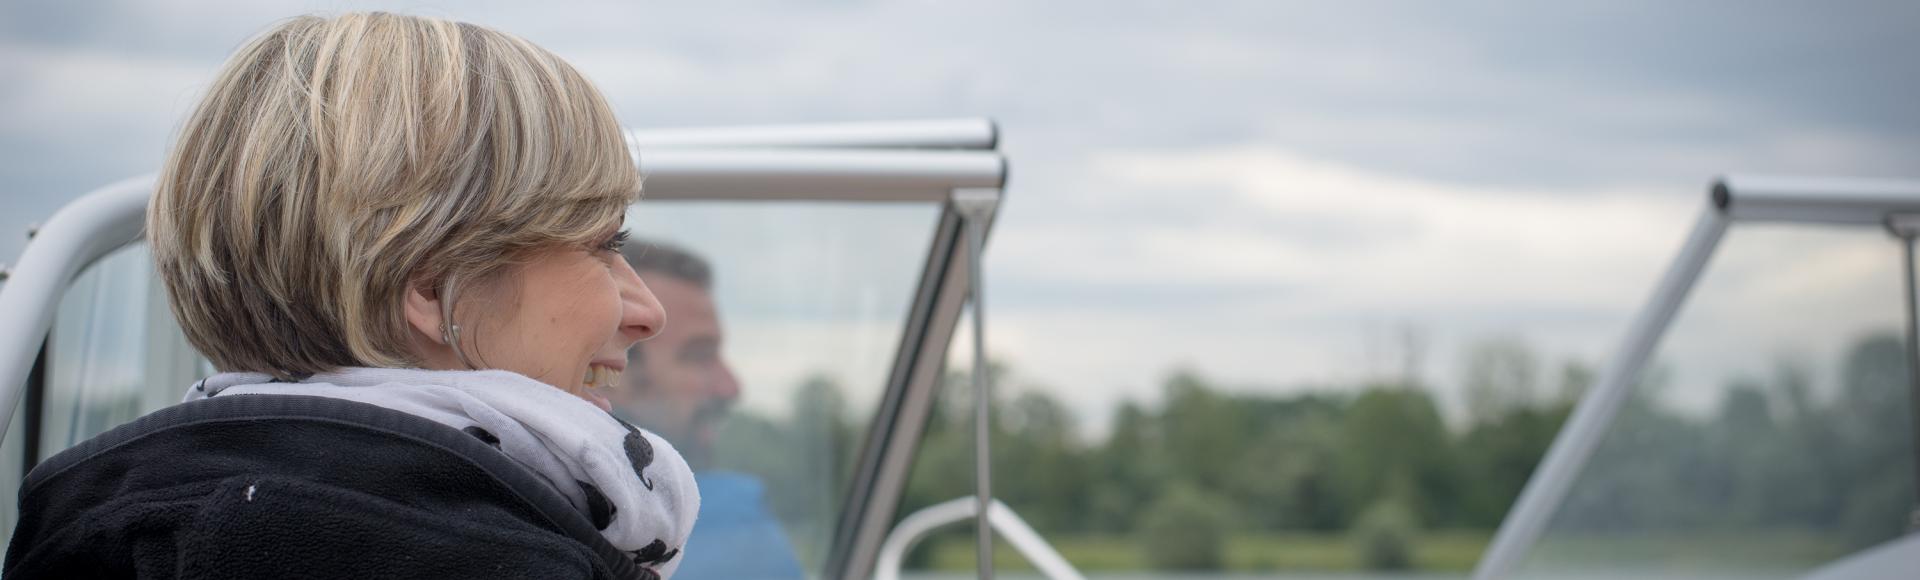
703,433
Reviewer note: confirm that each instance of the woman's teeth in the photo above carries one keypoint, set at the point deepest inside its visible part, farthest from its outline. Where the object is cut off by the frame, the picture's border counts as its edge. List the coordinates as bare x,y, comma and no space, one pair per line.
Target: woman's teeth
601,377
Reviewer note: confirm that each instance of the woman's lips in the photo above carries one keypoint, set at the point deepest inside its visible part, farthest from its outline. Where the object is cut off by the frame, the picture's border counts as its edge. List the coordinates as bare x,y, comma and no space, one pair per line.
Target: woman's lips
600,377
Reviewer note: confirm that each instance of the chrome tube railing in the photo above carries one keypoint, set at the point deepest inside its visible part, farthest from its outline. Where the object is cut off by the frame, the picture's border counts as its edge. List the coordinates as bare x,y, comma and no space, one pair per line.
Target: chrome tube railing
78,234
975,134
976,208
1000,519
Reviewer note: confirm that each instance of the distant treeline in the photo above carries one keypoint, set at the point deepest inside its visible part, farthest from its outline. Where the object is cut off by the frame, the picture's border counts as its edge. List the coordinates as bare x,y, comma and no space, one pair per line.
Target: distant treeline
1379,463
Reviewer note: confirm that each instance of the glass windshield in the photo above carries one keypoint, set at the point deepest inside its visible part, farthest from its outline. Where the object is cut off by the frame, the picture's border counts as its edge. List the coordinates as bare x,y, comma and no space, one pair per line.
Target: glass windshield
1771,434
811,300
766,376
115,353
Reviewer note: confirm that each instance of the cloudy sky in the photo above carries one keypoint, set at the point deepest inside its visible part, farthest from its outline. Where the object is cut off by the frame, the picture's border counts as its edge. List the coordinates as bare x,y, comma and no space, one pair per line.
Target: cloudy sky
1268,192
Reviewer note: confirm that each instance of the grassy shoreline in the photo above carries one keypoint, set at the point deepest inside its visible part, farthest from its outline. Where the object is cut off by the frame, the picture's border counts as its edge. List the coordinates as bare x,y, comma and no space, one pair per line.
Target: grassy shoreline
1434,552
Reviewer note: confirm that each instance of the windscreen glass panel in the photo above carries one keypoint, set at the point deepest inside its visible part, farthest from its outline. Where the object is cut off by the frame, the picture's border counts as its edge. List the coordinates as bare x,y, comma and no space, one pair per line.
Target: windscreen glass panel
783,323
113,354
809,301
1771,433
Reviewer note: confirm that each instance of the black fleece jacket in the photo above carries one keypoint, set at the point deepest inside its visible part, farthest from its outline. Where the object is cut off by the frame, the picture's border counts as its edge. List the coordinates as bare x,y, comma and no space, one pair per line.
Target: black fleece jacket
274,486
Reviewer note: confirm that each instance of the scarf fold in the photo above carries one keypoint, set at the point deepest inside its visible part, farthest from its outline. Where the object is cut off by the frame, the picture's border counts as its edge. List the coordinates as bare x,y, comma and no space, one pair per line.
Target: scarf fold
630,483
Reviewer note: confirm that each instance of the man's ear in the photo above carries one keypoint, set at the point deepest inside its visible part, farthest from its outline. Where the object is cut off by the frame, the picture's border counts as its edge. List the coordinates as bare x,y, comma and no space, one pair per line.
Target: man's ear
423,309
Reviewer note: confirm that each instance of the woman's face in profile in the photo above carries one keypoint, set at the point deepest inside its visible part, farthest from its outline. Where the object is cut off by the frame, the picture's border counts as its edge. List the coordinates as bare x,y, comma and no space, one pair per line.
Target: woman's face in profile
566,317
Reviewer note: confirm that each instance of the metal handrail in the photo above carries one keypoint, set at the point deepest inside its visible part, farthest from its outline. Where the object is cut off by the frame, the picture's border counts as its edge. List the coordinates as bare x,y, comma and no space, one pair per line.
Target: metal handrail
976,134
81,232
1000,518
817,174
976,207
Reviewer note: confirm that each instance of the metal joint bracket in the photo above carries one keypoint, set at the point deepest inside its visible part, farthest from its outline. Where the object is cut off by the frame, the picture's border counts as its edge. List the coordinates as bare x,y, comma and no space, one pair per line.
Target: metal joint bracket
976,204
1903,225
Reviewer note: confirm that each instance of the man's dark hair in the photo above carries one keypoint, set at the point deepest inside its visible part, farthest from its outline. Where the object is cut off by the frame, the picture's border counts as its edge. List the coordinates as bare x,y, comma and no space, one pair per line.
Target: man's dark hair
666,258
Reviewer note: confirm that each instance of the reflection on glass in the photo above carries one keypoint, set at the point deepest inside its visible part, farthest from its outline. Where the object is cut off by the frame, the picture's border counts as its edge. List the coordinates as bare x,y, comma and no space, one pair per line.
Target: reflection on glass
1772,435
782,322
115,352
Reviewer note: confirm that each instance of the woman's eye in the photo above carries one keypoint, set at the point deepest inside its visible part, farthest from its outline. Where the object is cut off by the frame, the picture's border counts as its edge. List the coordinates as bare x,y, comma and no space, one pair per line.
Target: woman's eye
613,244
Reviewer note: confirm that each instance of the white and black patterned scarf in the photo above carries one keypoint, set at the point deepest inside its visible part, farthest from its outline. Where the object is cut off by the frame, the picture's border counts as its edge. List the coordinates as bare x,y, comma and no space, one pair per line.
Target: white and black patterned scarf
630,483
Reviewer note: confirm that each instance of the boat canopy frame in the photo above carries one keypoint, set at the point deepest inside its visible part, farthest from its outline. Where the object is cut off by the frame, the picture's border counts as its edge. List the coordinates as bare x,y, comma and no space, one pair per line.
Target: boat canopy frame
1892,204
936,161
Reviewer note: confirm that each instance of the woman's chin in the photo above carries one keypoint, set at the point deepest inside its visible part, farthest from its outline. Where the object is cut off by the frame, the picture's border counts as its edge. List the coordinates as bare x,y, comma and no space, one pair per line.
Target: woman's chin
589,394
597,400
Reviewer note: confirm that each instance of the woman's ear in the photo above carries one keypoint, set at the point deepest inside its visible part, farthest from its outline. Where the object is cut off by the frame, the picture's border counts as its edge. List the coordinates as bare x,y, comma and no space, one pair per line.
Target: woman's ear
423,311
424,307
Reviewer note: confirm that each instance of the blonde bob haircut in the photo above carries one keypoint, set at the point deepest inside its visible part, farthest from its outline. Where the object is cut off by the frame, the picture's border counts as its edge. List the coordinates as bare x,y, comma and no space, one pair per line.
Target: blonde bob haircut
336,163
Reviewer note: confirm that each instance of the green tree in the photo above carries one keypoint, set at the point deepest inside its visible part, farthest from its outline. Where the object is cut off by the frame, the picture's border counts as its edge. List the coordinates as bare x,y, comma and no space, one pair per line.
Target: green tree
1500,376
1395,433
1040,466
1498,456
1204,431
1384,534
1575,378
1875,426
1128,469
1186,529
1285,477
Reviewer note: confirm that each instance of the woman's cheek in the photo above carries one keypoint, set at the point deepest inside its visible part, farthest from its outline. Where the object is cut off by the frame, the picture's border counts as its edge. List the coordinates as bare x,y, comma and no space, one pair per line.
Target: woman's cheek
606,310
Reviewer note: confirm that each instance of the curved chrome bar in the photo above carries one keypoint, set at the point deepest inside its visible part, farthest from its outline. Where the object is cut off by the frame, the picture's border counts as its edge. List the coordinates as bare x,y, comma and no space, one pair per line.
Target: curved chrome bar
78,234
893,552
975,134
1815,199
830,174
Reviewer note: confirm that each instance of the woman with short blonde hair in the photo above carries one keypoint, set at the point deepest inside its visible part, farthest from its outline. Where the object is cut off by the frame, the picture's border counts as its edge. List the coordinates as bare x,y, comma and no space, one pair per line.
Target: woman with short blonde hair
422,217
337,162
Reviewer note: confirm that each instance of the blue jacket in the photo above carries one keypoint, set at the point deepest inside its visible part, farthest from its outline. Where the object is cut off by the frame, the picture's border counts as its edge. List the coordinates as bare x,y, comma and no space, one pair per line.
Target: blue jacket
737,537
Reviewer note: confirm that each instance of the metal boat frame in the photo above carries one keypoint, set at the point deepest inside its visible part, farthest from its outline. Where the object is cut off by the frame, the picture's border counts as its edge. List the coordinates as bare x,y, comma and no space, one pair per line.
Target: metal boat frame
1847,202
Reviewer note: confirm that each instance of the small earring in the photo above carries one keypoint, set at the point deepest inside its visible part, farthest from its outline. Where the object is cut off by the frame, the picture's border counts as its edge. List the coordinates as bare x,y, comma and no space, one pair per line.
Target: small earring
451,334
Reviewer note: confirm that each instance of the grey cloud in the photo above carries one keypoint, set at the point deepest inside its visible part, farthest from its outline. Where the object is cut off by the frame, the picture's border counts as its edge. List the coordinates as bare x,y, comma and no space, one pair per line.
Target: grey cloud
1557,98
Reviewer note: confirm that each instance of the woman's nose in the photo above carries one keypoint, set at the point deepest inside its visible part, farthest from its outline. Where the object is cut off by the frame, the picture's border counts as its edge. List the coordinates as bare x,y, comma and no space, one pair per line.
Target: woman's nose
641,315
